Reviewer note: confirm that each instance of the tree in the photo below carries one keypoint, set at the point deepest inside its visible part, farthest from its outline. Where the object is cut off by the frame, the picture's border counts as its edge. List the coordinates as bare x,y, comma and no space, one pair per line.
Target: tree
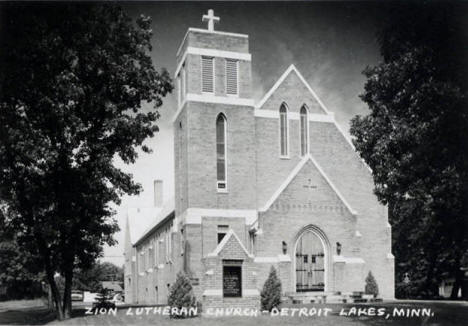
371,285
73,83
415,138
271,292
91,278
19,271
181,295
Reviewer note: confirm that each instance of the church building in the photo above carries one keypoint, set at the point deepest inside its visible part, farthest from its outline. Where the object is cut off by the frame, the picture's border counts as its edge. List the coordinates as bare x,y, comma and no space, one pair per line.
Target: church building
265,183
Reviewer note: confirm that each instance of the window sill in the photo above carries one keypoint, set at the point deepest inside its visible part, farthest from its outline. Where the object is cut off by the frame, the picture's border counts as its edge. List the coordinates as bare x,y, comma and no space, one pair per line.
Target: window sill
285,158
222,191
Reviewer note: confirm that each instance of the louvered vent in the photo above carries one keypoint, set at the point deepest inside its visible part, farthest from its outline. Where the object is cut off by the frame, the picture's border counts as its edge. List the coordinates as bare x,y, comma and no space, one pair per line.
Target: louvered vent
207,75
231,77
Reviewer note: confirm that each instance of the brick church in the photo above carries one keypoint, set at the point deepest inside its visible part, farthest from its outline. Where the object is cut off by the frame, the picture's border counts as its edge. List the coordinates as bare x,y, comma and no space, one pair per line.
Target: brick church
273,182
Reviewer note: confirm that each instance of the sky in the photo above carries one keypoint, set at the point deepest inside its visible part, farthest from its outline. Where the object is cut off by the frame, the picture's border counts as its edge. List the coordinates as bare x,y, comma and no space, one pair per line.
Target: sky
330,43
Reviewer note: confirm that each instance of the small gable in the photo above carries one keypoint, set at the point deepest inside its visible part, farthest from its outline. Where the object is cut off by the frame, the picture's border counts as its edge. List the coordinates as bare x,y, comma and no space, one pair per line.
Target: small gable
286,90
230,247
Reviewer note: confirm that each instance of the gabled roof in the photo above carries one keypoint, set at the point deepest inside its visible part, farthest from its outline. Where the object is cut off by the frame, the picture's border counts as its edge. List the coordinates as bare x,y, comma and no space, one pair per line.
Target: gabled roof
225,240
112,285
291,69
138,220
166,213
291,176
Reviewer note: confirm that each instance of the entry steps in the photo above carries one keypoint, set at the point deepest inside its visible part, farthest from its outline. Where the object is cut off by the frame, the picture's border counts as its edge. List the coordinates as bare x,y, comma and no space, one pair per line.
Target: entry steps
329,297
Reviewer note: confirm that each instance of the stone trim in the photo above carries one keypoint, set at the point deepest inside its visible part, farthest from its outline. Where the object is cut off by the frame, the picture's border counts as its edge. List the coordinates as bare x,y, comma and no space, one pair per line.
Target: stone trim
212,53
348,260
192,29
277,259
210,98
194,215
250,292
213,292
295,115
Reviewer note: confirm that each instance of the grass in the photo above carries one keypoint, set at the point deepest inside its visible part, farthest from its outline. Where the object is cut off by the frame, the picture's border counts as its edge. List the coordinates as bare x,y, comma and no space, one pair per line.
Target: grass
25,312
445,314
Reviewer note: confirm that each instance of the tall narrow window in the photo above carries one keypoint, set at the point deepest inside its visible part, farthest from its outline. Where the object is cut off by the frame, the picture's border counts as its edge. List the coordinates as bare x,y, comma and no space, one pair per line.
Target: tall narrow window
207,74
283,130
179,90
221,152
231,77
183,82
304,131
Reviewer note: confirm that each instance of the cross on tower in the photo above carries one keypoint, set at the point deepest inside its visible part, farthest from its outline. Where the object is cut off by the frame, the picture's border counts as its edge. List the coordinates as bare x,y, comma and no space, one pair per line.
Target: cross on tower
211,19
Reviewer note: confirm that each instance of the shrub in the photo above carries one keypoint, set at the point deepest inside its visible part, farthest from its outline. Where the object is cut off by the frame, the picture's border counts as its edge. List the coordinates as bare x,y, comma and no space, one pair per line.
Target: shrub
181,296
103,300
371,285
271,292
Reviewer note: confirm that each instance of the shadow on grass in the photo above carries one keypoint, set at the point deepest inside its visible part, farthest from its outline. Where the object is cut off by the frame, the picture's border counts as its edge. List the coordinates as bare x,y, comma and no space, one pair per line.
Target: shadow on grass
33,316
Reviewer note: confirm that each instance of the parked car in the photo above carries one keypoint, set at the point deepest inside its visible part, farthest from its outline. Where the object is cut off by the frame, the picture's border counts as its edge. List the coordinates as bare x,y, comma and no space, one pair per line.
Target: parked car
77,295
118,299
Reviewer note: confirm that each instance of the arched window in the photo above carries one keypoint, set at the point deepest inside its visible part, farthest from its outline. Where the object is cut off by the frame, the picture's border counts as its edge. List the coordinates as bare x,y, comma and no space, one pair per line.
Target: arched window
221,152
304,131
283,130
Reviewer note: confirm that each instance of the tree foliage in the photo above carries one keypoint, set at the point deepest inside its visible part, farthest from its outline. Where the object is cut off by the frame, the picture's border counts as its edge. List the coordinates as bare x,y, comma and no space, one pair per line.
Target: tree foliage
415,139
371,285
73,82
181,295
90,279
20,273
270,297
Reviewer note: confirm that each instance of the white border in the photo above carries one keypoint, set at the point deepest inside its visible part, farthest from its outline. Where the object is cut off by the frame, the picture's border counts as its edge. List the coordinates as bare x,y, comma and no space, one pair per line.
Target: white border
291,176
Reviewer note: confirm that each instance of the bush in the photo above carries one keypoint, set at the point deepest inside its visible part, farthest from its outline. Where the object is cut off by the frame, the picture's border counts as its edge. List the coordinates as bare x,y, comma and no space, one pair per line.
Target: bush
271,292
181,296
371,285
103,301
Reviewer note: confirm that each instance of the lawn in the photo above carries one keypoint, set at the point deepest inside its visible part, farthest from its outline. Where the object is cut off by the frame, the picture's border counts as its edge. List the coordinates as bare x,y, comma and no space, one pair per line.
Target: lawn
444,313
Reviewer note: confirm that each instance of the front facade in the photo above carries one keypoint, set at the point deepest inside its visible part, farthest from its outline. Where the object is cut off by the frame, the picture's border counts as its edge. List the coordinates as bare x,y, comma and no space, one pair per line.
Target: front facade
272,183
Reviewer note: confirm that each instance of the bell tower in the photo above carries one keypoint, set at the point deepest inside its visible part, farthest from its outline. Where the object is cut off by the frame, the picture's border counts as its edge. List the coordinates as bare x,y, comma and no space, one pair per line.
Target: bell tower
214,126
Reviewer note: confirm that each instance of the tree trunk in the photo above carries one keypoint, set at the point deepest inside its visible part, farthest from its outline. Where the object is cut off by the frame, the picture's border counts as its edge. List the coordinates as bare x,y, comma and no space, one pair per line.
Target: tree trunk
67,304
55,293
44,252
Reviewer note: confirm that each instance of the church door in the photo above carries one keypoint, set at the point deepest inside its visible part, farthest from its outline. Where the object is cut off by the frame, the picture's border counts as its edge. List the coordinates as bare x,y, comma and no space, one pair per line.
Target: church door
310,263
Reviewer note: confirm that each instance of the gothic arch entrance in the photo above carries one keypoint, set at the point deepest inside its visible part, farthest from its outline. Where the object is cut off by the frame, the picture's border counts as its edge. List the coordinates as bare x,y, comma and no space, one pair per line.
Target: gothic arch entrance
310,260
